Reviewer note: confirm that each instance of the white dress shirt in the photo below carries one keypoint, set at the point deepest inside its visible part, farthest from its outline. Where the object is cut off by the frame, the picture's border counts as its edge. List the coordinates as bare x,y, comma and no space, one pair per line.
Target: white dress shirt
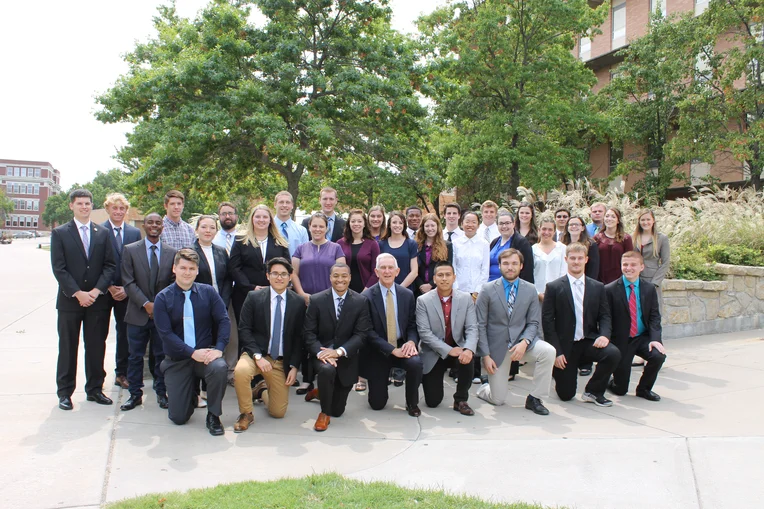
548,267
578,334
472,261
335,296
275,294
457,233
121,232
208,253
493,231
84,236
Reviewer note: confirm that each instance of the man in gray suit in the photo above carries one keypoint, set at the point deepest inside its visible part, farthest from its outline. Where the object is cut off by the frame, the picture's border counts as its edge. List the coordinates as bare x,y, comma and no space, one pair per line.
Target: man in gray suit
448,334
509,317
146,270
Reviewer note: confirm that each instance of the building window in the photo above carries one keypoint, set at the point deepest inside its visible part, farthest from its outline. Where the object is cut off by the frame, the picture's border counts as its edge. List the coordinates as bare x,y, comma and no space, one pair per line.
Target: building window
36,204
29,204
23,189
700,6
659,7
703,72
37,189
9,187
585,48
619,23
34,222
37,172
15,221
7,220
15,188
616,156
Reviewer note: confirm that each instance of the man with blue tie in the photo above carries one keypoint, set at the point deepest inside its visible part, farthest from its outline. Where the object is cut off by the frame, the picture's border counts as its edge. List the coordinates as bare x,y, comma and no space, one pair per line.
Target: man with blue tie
294,233
185,314
122,234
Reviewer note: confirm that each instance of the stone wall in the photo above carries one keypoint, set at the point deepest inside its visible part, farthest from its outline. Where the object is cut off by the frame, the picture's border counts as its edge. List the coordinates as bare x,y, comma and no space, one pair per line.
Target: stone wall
692,308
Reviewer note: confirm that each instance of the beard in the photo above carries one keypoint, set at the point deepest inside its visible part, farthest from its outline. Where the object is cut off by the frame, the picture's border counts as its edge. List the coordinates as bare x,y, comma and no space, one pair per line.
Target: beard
227,223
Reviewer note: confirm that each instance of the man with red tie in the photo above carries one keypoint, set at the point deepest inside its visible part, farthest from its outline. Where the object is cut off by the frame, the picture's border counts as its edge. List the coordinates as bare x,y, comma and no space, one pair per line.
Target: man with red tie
636,327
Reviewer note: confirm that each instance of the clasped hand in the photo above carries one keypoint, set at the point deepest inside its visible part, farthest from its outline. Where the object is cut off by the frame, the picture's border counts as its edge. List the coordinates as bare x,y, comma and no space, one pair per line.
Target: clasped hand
206,355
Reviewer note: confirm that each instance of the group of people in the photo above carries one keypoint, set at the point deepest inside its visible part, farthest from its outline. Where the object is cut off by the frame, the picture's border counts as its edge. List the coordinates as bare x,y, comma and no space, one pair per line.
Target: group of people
358,302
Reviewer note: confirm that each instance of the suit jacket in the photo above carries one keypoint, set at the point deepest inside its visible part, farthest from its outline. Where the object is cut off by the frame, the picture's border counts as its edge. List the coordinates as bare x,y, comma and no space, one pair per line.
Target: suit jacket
322,328
558,314
337,232
222,272
136,274
498,331
367,259
247,266
619,309
75,271
521,244
377,337
422,265
130,234
432,326
255,325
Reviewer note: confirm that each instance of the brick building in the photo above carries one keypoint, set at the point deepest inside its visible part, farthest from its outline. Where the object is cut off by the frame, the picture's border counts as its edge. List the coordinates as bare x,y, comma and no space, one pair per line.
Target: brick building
628,20
28,184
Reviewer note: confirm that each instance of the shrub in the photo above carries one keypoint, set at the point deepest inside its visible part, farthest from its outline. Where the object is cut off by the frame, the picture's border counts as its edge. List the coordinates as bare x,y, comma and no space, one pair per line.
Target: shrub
691,263
735,255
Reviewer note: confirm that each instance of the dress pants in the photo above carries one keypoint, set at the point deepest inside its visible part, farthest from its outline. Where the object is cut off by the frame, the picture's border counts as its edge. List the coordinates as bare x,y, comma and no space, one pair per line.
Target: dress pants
180,376
583,352
639,345
231,352
122,353
275,397
377,372
332,394
95,328
432,382
541,354
139,337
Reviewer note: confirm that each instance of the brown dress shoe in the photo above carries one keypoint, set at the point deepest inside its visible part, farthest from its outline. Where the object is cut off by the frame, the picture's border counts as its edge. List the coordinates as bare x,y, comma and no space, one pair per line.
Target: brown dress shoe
311,395
121,381
242,424
257,390
463,408
322,422
413,410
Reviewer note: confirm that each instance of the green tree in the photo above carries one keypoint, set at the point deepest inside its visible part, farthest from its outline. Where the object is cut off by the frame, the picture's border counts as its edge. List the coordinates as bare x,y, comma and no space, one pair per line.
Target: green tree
57,210
6,207
322,85
511,96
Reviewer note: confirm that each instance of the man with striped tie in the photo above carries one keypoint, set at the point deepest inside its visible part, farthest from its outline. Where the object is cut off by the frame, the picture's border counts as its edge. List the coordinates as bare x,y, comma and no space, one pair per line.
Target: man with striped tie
185,314
508,315
576,322
294,233
228,216
636,327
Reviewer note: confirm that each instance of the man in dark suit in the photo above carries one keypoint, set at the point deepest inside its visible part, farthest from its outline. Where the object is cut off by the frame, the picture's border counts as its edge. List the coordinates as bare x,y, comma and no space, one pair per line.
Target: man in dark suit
392,341
185,314
146,270
336,325
122,234
83,264
335,224
270,333
636,327
576,322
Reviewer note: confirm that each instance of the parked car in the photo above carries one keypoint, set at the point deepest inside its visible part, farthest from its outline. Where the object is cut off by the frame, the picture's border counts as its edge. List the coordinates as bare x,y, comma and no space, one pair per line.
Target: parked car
5,238
23,234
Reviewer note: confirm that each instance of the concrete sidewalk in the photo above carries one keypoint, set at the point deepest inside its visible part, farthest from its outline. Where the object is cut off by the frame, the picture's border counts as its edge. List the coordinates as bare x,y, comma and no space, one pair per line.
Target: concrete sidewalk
701,447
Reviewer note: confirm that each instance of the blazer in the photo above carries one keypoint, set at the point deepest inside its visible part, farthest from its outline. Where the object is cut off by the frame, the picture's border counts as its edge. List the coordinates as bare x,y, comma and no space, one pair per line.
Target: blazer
497,329
619,309
558,315
323,329
247,266
337,232
367,259
222,272
377,337
209,315
130,234
592,268
521,244
75,271
421,264
431,325
255,325
135,276
656,268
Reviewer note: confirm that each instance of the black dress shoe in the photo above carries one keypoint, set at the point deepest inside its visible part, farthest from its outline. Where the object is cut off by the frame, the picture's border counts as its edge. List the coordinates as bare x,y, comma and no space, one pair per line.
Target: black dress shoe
132,402
585,371
648,395
100,398
535,405
65,403
214,425
413,410
162,401
304,390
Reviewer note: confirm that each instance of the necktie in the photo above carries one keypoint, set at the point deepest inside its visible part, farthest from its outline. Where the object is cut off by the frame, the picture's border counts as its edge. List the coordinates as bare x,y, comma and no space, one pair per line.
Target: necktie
340,301
118,231
578,299
633,312
329,228
276,333
85,240
284,230
153,271
511,300
228,239
487,234
189,333
450,234
392,334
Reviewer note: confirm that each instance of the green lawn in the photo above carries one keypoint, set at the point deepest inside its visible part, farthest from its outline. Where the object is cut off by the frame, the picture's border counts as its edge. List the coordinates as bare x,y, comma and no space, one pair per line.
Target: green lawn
327,491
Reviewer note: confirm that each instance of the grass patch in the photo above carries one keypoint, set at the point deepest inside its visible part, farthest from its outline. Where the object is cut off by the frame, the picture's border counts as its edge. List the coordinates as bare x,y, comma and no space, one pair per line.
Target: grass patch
327,491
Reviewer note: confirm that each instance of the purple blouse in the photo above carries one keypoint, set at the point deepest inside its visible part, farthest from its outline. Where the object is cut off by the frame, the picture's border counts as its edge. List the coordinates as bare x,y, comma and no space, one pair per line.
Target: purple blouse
315,264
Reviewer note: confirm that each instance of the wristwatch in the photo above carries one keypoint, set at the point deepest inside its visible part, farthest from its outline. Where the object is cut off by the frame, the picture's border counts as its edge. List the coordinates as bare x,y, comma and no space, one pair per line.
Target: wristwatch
527,341
258,356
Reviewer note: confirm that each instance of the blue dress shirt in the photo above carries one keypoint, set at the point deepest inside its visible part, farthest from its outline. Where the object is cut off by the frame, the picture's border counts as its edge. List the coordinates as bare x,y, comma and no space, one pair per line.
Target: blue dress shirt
148,251
296,232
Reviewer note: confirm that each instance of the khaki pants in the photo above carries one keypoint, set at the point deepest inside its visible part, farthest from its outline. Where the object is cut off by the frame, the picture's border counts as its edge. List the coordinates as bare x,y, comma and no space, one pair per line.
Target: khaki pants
541,354
275,397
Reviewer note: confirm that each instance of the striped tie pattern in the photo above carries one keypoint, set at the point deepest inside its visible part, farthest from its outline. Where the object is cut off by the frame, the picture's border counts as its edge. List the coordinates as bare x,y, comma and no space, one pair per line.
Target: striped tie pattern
340,302
578,300
511,300
633,312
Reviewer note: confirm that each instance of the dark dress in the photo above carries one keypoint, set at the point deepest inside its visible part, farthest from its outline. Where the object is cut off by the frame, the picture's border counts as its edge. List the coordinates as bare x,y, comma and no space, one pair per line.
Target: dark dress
403,254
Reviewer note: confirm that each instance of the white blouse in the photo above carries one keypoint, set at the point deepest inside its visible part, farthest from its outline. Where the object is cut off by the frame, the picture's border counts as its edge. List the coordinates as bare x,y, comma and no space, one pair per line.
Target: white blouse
207,250
548,267
472,260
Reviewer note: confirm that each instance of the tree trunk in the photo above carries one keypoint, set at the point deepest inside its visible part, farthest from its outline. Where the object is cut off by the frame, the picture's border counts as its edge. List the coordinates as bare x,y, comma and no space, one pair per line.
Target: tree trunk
293,183
514,171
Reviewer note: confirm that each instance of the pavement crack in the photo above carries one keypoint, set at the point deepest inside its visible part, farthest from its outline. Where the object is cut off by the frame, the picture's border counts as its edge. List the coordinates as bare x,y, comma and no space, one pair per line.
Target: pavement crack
112,444
694,474
24,316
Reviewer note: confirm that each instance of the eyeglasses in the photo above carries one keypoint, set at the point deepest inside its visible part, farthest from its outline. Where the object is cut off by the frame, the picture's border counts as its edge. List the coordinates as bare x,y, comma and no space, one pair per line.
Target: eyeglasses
227,214
577,225
279,275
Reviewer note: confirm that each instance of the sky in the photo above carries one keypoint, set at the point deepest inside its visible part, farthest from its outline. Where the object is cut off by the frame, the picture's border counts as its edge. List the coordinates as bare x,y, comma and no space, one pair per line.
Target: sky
56,57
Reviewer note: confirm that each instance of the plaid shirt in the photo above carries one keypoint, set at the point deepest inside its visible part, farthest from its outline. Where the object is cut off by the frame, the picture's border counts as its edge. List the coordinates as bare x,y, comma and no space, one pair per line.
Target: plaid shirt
178,235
